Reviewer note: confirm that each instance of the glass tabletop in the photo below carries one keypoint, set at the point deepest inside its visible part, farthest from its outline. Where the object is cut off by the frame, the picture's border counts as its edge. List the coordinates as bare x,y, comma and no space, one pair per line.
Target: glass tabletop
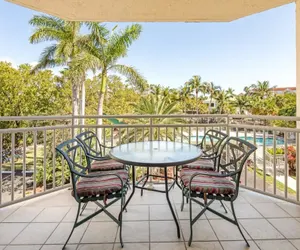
155,153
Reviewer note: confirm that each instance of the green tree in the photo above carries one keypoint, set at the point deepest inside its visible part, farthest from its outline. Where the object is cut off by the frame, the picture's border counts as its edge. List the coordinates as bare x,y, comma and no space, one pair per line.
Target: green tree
211,89
155,106
196,85
104,52
67,45
262,89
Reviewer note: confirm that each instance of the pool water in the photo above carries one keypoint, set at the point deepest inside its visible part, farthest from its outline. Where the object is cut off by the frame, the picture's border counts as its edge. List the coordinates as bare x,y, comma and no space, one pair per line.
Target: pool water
259,140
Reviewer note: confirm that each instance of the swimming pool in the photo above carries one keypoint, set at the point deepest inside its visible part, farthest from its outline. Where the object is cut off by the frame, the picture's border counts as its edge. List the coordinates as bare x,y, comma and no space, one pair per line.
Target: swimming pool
259,140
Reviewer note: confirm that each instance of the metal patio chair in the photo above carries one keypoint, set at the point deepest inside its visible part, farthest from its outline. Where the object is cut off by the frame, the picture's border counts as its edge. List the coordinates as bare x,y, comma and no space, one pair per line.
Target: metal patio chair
222,185
93,187
210,145
95,152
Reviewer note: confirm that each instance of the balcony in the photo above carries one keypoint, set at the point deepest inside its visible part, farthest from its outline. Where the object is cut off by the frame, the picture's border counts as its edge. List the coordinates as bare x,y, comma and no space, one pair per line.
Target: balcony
37,209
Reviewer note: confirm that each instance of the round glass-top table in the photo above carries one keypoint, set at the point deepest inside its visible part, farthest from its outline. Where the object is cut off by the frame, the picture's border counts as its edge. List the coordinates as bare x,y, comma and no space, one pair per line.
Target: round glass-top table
155,153
161,154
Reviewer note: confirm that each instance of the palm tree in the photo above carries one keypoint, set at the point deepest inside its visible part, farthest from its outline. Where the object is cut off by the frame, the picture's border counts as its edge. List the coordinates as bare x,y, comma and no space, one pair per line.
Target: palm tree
184,95
67,39
211,90
104,52
262,89
196,85
242,103
155,106
223,98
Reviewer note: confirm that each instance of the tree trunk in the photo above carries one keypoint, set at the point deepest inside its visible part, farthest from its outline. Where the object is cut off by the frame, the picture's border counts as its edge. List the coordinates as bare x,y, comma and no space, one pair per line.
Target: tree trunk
100,103
82,105
75,101
197,108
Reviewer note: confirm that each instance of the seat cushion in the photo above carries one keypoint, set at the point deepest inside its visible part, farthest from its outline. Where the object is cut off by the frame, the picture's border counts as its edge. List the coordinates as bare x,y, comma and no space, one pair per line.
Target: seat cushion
201,164
104,165
101,185
207,184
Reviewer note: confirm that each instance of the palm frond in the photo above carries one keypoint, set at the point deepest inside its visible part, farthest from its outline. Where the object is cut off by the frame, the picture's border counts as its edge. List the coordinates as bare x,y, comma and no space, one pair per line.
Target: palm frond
47,21
43,34
133,76
120,41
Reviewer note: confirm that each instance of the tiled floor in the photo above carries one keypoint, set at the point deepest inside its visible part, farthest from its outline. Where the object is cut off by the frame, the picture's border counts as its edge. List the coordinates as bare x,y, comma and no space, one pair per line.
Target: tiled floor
45,222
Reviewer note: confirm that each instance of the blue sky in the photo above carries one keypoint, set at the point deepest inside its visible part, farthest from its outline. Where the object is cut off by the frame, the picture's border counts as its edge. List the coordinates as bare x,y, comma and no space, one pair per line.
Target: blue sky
236,54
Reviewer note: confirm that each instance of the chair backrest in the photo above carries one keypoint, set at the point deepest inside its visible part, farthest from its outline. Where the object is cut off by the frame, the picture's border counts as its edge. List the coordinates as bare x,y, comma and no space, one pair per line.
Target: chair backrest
211,142
233,156
74,154
91,144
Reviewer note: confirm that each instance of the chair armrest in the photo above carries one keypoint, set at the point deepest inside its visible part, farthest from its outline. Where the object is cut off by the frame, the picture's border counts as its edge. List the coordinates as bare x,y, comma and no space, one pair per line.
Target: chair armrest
98,158
105,146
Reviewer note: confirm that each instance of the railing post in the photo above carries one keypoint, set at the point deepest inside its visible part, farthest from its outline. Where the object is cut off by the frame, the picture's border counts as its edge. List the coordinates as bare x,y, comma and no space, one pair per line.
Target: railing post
73,128
151,129
151,136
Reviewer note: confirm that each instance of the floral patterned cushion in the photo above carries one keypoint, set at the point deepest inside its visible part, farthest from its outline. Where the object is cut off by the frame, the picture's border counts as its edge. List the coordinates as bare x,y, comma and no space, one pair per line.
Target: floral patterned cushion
101,185
207,184
201,164
106,165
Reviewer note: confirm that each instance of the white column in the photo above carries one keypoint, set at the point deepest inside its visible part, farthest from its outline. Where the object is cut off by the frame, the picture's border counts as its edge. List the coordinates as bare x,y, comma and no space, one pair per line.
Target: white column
297,2
298,58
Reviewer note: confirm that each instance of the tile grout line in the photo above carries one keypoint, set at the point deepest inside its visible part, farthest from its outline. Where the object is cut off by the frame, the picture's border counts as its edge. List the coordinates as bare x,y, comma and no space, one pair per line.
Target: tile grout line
56,227
28,223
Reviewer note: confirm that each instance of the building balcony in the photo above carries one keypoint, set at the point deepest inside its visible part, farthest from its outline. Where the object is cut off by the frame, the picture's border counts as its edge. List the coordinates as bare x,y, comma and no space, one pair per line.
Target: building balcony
37,209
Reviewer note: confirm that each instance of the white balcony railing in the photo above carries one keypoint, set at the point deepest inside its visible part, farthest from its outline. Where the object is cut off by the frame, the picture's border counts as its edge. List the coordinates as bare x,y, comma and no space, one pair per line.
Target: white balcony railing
30,166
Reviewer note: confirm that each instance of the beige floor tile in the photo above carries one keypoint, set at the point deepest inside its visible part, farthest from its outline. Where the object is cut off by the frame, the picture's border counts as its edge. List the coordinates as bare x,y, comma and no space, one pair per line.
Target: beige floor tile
253,197
56,199
27,247
100,232
245,211
289,227
185,213
114,210
260,229
2,247
35,233
52,214
167,246
71,215
215,245
161,212
201,230
292,209
61,233
218,207
8,231
136,213
239,245
148,198
95,247
135,231
132,246
275,245
59,247
24,214
163,231
270,210
226,230
6,211
296,243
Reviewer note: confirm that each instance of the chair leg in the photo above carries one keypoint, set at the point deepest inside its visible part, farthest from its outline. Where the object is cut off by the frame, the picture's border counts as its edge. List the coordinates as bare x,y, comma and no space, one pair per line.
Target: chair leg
147,176
182,202
83,208
120,219
191,222
77,215
222,204
237,223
